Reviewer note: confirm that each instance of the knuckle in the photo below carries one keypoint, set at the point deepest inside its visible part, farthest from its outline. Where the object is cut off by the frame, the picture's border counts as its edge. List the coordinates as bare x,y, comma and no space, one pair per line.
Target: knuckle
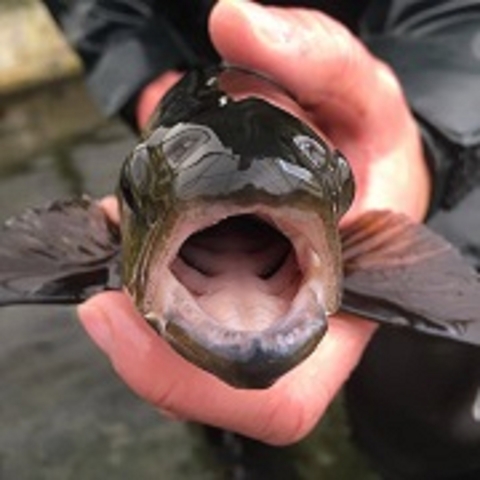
288,421
388,79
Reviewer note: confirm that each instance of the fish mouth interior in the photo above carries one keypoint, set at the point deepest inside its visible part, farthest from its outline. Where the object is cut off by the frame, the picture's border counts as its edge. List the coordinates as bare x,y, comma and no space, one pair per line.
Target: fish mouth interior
243,272
243,295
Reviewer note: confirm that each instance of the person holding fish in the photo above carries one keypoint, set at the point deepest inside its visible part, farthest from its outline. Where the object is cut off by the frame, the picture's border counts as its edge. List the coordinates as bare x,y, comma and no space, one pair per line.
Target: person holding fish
392,130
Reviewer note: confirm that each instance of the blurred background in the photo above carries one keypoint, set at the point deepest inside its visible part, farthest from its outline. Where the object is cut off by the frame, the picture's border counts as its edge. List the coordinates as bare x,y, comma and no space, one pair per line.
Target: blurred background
63,413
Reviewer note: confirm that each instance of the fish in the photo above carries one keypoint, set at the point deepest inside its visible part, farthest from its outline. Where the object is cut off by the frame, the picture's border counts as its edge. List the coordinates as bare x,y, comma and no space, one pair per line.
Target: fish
229,242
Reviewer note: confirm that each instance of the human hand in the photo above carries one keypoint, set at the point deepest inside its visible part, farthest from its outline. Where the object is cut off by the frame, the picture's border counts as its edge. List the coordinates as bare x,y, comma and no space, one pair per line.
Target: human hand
356,101
152,93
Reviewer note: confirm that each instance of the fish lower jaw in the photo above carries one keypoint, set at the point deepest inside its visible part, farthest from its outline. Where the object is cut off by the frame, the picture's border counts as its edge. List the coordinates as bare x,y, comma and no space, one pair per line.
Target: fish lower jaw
243,358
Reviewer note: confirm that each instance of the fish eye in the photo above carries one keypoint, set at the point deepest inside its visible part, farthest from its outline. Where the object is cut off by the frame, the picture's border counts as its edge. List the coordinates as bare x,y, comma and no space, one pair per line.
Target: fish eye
180,146
127,193
134,179
344,170
311,149
139,168
345,181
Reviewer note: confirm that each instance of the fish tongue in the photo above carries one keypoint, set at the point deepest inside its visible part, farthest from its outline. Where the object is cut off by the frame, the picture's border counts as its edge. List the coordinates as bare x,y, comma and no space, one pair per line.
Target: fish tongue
244,303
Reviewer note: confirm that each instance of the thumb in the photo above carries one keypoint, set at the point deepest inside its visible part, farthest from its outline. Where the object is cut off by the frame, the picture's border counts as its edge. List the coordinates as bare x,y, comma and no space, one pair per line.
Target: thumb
282,414
331,74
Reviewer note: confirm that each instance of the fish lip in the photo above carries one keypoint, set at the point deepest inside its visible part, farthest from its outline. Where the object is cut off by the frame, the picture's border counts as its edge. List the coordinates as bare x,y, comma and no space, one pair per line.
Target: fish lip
244,359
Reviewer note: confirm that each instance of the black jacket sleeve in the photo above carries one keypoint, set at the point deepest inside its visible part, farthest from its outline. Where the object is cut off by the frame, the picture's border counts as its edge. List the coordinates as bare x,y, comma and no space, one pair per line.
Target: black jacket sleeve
124,44
434,48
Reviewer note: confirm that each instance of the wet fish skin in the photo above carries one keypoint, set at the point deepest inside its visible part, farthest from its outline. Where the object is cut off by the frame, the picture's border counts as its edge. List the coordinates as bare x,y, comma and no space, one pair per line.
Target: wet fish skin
198,127
267,162
206,148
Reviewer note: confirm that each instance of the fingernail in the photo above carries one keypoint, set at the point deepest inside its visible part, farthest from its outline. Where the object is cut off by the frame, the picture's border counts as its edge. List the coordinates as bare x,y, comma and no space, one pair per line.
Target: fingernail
97,324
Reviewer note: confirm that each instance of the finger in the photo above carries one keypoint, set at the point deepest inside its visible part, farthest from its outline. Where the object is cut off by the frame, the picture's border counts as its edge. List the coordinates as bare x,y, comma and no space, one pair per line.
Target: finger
330,72
152,94
351,96
282,414
109,205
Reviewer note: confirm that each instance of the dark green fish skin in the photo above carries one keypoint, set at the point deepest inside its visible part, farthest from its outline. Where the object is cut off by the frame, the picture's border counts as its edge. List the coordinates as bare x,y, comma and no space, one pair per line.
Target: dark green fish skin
229,241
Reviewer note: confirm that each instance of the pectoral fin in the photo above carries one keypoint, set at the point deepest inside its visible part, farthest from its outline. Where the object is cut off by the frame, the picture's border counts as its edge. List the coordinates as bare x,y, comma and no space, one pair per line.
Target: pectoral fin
401,273
61,253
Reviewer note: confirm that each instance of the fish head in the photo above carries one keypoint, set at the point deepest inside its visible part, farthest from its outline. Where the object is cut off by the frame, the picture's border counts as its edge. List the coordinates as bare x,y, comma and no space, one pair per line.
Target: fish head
230,208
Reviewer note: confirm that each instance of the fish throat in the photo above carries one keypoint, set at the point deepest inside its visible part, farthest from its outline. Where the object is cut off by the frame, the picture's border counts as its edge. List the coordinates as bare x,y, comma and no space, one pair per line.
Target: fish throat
243,272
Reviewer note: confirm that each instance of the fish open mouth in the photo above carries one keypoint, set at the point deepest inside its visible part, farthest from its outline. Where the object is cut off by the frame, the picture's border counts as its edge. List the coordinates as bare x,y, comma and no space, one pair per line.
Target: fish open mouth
243,296
243,272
